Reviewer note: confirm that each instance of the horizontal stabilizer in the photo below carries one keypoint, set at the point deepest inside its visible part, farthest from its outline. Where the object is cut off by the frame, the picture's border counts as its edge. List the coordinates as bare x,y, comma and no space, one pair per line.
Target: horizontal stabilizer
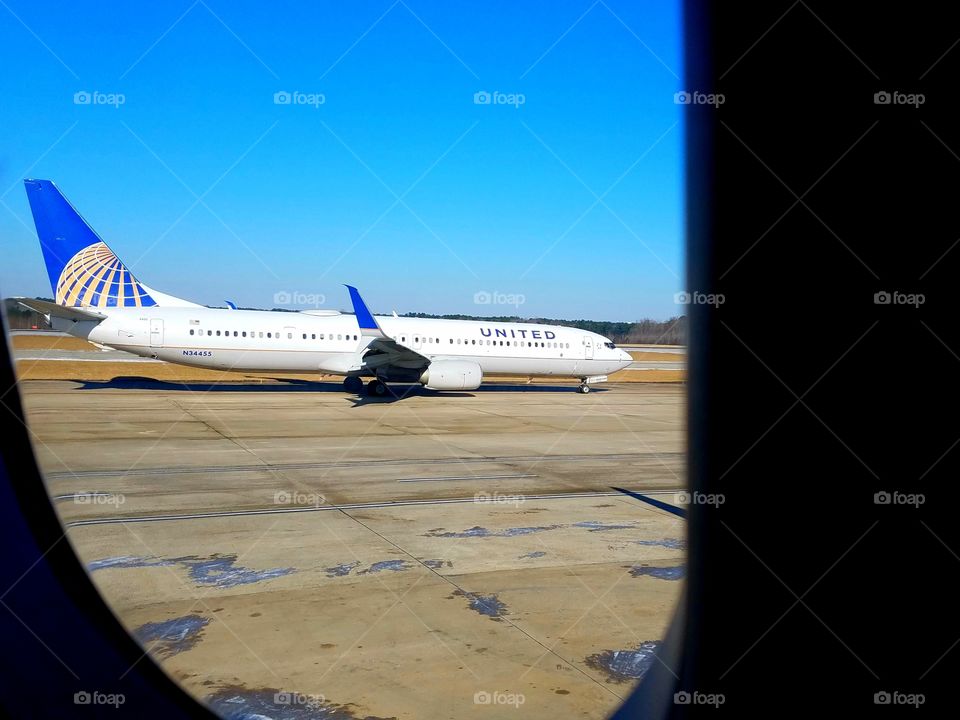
50,308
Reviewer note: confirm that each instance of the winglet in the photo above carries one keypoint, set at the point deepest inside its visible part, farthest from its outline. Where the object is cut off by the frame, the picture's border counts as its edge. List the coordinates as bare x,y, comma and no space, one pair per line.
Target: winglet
368,325
231,305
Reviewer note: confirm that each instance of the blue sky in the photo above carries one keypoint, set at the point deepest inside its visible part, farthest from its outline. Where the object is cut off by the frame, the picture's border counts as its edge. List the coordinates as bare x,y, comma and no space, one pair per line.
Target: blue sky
398,182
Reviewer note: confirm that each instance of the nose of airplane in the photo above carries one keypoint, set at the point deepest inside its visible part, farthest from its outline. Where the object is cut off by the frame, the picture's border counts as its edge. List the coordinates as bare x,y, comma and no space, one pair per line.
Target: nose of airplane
625,357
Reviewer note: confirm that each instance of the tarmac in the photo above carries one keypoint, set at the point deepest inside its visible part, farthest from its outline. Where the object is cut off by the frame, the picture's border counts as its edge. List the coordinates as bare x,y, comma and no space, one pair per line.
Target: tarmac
286,549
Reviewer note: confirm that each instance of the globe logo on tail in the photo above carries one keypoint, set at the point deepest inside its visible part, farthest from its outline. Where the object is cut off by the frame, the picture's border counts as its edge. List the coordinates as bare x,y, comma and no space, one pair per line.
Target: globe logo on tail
95,277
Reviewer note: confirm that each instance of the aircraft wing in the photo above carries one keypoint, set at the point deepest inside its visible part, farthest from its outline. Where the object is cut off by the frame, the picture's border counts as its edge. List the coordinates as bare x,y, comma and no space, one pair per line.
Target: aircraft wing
68,313
382,349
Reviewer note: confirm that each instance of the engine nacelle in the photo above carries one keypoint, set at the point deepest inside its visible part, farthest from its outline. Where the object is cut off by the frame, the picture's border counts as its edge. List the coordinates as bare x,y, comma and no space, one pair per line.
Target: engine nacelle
452,375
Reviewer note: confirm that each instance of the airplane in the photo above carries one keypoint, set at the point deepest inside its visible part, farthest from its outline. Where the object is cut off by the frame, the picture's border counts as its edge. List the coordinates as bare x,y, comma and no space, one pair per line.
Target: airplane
97,298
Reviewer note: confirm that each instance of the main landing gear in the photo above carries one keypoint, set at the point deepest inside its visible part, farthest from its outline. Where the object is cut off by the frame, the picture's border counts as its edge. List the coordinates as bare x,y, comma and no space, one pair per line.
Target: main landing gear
376,388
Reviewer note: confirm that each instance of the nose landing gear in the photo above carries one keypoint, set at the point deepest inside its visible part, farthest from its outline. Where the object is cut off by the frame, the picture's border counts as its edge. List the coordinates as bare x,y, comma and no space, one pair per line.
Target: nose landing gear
585,382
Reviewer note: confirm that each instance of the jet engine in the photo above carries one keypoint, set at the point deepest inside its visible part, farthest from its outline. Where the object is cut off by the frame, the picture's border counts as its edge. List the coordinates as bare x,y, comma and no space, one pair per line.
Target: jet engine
452,375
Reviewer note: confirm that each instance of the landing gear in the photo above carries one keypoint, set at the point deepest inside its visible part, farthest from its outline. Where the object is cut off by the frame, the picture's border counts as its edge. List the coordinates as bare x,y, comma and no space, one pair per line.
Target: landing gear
352,384
585,382
376,388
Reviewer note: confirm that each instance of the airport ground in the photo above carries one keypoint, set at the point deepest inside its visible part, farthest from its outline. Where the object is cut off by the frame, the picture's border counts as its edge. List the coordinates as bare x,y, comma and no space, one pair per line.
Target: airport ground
285,549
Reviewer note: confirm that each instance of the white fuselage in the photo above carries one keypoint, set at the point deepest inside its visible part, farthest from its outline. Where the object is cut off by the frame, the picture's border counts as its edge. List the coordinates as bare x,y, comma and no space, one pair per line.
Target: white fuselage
255,340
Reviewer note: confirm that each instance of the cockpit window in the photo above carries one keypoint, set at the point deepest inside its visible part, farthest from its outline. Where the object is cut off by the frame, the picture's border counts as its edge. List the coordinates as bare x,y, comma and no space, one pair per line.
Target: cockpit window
609,345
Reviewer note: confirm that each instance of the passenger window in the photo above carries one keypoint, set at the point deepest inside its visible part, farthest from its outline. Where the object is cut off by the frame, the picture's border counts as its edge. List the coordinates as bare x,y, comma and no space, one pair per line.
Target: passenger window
191,331
244,333
339,337
235,333
269,335
451,341
218,333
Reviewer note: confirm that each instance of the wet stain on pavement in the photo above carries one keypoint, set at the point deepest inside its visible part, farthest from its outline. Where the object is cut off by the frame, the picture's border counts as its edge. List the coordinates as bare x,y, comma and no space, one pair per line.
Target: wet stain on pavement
394,565
215,570
169,637
489,605
672,572
622,666
240,703
341,570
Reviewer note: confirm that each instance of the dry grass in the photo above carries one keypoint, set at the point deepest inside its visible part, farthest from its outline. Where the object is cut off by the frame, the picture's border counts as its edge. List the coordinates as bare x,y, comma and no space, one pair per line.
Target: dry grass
50,342
657,356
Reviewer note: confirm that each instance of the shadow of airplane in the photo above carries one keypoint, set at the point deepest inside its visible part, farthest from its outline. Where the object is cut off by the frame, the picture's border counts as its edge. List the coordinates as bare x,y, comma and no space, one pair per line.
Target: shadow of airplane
144,383
295,385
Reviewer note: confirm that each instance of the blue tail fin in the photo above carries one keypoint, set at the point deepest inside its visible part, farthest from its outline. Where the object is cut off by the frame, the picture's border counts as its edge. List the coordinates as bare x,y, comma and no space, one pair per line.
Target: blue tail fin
83,271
